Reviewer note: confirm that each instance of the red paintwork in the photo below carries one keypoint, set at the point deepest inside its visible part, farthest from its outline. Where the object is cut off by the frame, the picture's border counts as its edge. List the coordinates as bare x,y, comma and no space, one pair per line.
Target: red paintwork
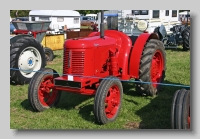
26,32
157,68
91,58
136,53
124,45
92,34
112,101
189,118
89,42
46,97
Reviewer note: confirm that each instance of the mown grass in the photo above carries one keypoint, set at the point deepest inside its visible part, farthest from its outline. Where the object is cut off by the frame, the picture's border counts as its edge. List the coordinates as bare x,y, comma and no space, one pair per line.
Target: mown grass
75,111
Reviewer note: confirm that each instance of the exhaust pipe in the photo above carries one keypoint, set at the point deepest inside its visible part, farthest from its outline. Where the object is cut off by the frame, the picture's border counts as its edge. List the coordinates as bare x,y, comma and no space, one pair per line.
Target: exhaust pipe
102,24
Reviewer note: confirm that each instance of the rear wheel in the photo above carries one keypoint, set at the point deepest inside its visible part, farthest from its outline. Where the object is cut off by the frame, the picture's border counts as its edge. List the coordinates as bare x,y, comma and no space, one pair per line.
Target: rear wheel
186,39
152,68
41,94
26,57
107,101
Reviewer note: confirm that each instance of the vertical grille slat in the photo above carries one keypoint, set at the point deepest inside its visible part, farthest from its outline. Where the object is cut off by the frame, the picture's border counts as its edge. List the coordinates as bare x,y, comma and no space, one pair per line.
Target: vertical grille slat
77,61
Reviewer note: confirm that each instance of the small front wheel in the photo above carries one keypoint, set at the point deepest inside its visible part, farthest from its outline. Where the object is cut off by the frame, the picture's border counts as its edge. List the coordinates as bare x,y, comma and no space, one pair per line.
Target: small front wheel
107,101
41,94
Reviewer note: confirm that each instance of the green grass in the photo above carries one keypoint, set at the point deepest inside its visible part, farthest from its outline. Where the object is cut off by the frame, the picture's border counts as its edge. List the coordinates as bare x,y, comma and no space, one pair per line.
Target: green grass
75,111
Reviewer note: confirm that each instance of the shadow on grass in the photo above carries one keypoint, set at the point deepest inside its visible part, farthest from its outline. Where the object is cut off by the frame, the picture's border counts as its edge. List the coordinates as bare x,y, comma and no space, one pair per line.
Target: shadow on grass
179,49
57,56
68,101
157,114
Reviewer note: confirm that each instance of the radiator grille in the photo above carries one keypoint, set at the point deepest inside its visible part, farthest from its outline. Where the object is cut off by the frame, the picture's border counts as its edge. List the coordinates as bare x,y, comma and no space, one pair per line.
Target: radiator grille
73,62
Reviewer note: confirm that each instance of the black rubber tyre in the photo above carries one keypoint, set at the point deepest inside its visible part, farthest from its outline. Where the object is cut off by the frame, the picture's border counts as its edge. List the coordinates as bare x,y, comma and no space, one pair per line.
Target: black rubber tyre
18,50
152,68
186,39
48,54
180,110
36,94
107,101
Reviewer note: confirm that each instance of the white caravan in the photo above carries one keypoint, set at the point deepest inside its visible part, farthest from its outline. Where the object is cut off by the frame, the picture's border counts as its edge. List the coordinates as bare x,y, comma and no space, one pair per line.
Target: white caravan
60,19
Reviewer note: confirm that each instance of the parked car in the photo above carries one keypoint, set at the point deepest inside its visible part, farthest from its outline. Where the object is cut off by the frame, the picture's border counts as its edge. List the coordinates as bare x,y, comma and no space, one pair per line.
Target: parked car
21,19
87,21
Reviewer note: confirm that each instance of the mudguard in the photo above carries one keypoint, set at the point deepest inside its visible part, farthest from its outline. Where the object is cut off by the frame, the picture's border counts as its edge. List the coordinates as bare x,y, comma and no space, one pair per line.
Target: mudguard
162,31
136,53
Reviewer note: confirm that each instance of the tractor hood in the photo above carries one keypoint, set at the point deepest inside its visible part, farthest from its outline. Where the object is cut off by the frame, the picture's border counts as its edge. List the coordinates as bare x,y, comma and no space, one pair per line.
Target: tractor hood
89,42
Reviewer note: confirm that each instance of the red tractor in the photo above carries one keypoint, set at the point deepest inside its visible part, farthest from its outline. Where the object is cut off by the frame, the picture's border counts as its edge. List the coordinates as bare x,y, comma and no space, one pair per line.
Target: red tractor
97,65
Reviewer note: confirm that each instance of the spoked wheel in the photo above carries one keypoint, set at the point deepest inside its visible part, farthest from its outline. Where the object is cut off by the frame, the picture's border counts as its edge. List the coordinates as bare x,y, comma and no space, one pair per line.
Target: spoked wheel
152,68
41,93
107,101
180,110
157,68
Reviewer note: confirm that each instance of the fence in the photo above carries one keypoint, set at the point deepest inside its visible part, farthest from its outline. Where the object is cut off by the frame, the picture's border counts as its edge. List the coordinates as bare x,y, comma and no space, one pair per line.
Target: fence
77,34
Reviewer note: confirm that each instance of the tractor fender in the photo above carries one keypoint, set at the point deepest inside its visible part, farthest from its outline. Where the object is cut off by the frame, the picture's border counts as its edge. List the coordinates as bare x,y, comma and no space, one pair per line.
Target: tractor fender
14,38
136,53
163,31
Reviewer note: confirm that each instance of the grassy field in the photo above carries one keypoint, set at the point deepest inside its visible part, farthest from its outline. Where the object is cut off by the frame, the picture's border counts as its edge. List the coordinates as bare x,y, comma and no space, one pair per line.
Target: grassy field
75,111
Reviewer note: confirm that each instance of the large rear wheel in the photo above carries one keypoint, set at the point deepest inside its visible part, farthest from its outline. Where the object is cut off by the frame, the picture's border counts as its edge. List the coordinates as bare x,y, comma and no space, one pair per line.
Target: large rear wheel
26,57
152,68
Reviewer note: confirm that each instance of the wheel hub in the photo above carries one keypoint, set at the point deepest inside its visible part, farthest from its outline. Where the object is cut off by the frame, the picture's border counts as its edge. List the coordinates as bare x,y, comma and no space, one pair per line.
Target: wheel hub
156,68
29,61
112,102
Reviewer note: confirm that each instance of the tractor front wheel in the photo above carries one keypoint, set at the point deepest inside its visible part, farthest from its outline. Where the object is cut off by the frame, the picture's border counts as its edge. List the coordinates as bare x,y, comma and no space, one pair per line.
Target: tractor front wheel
180,110
107,101
41,94
152,68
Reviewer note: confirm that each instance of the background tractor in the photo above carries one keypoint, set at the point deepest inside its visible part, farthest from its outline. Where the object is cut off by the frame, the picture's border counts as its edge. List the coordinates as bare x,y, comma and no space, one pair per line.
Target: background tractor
180,35
172,31
97,65
27,55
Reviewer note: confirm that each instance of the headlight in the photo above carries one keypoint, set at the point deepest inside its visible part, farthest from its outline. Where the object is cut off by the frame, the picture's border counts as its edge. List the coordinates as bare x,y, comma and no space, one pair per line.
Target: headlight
142,25
30,33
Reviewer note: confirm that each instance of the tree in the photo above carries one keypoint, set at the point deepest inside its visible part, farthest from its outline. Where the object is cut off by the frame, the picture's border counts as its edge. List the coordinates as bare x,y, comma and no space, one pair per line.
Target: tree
84,12
20,13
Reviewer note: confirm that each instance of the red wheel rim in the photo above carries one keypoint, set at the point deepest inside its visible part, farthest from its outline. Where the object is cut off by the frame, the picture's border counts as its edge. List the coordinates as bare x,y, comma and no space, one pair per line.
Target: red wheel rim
112,101
189,118
157,68
46,94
